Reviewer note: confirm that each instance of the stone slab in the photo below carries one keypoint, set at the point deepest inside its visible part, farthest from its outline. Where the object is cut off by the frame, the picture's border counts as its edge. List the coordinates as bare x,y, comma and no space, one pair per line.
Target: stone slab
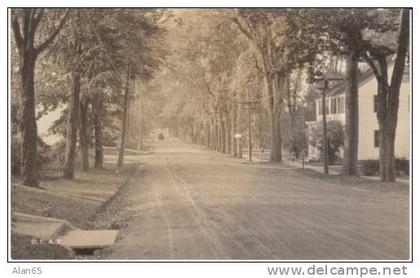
91,239
47,230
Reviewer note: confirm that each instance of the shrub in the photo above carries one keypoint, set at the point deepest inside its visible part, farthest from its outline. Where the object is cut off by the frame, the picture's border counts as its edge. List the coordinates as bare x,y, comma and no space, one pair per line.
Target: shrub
16,146
335,138
402,166
369,167
58,150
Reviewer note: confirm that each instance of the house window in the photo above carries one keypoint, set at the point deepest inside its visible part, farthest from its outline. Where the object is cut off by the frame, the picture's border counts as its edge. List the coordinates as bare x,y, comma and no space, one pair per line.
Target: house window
375,104
327,106
333,105
376,135
319,107
340,105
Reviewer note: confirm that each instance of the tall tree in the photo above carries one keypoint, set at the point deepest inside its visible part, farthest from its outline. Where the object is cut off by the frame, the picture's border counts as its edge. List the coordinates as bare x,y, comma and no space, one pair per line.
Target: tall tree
25,23
340,32
282,43
73,114
376,53
258,28
139,34
124,120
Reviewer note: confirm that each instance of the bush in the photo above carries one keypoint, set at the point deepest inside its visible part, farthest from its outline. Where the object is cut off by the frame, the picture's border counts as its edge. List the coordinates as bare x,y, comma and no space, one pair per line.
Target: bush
58,150
335,138
369,167
402,166
16,152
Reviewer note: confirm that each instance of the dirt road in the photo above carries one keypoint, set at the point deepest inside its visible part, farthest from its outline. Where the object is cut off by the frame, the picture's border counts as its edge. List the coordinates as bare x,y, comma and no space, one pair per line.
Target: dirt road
191,203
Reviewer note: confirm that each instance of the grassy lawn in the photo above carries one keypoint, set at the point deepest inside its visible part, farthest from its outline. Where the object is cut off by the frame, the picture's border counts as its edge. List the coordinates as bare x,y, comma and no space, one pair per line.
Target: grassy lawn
77,201
357,182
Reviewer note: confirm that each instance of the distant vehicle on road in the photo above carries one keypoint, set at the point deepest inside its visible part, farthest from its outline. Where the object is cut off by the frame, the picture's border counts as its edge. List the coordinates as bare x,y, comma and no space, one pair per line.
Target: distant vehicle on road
161,137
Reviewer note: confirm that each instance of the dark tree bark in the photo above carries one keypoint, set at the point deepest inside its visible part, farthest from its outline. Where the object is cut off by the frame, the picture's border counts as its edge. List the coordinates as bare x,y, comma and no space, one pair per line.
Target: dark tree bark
29,169
24,38
73,117
97,122
124,122
291,99
275,86
83,133
351,131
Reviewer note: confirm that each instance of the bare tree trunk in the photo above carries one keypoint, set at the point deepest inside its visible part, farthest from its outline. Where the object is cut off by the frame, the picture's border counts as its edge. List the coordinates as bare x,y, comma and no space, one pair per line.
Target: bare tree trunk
222,132
239,142
234,147
275,121
208,133
29,161
83,133
214,133
217,133
228,133
387,152
97,122
73,117
142,127
192,133
124,122
351,131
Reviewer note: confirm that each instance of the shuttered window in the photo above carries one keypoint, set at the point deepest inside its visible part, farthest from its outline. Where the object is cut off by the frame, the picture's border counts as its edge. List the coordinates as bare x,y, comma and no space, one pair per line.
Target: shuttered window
334,105
376,135
375,104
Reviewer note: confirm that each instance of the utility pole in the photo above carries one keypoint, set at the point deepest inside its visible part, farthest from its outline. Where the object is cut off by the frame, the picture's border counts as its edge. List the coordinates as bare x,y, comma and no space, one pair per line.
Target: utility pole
249,128
248,102
324,125
124,122
326,78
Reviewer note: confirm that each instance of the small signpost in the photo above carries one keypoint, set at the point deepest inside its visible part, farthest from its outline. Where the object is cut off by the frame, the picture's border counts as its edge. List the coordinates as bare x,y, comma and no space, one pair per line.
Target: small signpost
238,137
303,155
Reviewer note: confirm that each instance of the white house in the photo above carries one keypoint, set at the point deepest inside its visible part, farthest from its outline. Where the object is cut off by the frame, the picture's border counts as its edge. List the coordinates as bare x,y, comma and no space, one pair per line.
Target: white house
368,124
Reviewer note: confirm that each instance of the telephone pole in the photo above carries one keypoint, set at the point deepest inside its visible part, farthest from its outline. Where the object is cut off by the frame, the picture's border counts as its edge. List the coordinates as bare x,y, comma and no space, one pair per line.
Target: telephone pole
326,78
324,125
248,103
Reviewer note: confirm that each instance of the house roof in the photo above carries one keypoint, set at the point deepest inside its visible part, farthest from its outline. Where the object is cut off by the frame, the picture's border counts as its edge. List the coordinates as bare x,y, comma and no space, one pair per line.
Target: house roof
363,77
341,86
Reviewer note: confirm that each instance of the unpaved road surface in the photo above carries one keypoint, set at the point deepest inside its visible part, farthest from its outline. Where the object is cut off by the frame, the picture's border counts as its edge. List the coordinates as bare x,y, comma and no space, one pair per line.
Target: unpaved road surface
191,203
